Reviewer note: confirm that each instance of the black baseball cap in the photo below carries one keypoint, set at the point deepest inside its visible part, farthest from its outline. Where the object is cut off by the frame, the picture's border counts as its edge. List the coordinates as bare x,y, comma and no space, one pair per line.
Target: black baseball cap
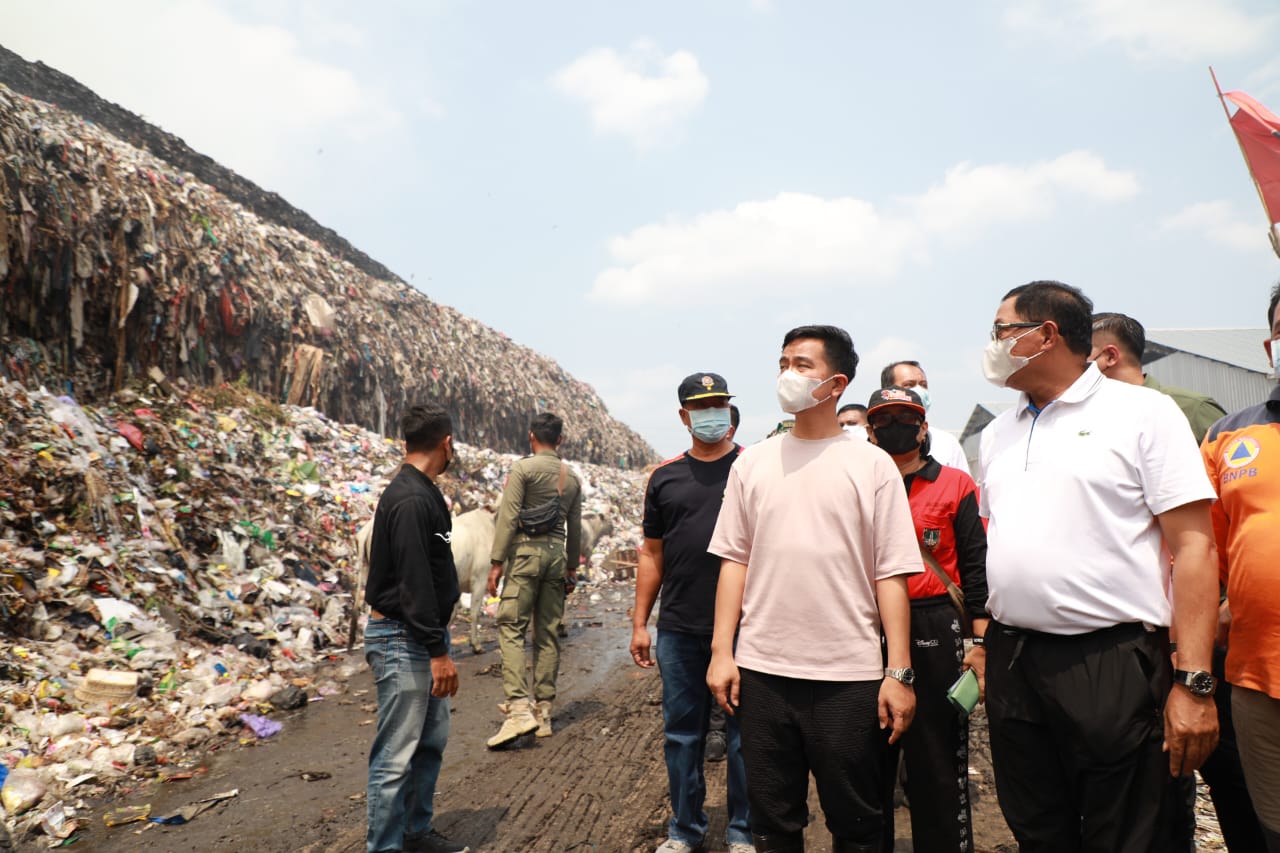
895,396
698,386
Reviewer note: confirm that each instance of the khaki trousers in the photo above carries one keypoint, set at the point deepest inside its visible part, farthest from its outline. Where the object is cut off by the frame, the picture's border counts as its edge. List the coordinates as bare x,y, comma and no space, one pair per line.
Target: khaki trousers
533,591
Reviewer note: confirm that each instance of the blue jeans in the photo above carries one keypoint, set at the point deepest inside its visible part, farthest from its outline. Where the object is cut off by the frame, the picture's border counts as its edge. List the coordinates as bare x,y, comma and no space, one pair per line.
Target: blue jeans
686,708
413,727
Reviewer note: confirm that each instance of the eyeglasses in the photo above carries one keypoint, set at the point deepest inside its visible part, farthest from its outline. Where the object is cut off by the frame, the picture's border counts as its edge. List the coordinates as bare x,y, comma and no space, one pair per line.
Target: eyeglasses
883,419
997,328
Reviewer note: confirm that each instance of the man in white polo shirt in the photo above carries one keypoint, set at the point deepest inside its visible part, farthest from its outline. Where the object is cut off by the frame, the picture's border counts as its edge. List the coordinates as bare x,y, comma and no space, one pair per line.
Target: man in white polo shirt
817,541
1091,485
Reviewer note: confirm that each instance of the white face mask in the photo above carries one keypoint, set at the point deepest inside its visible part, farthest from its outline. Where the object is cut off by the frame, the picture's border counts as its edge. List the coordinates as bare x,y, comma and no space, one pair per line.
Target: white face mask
1275,359
856,430
795,392
999,362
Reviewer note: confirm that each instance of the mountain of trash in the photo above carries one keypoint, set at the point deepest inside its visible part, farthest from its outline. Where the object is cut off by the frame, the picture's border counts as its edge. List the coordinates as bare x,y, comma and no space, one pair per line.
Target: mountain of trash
116,265
177,564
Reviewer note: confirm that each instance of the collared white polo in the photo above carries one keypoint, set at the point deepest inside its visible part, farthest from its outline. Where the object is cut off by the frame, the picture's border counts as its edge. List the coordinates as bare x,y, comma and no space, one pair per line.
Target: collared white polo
947,450
1072,493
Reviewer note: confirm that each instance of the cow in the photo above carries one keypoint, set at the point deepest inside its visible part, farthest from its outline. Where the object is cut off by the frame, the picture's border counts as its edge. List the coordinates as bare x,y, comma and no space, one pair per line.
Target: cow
594,528
471,543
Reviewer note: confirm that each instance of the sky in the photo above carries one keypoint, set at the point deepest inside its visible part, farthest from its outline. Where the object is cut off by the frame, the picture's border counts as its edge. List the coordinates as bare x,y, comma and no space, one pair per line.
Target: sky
647,190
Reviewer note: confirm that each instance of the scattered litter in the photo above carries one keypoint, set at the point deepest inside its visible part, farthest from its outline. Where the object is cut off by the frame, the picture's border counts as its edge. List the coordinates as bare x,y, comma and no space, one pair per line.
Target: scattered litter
263,727
126,814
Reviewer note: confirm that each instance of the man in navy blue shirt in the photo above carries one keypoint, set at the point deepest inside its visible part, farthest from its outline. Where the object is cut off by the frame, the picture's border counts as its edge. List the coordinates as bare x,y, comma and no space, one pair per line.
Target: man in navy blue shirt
681,504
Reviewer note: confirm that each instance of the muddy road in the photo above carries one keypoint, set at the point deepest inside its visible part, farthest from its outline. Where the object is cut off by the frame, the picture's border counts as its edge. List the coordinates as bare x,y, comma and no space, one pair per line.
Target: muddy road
598,785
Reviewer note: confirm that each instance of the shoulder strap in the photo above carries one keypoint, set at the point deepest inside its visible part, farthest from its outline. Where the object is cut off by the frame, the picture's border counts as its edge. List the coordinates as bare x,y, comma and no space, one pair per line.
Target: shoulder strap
563,472
932,563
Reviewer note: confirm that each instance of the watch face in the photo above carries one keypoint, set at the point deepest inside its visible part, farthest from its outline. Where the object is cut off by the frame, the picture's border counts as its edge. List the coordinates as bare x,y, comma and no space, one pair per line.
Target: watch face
908,676
1202,683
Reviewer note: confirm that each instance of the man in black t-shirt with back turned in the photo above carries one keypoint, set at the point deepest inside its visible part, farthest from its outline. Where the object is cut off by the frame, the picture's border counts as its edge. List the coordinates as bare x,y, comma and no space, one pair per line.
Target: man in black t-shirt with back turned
681,504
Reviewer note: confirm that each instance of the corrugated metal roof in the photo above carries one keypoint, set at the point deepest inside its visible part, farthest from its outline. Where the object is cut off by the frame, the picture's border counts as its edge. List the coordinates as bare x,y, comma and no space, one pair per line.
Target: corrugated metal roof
1239,347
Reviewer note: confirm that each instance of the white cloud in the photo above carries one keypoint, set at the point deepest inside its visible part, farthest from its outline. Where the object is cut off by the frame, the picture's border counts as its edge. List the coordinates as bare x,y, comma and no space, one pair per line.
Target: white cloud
246,94
1182,30
973,198
796,241
642,95
1218,222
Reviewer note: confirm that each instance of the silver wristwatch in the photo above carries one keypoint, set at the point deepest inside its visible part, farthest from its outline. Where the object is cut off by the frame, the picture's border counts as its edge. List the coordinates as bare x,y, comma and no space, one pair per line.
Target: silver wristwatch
906,675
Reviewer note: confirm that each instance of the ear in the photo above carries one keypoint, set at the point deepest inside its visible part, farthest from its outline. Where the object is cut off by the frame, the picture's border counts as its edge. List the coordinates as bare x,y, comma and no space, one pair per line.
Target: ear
1051,334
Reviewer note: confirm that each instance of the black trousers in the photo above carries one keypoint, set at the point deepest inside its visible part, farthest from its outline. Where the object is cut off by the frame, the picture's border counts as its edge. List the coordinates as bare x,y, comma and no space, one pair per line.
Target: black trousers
936,747
1225,777
1076,733
792,727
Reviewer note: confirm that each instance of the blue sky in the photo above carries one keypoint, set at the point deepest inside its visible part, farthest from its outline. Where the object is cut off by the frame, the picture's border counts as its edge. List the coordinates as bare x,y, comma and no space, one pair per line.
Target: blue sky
646,190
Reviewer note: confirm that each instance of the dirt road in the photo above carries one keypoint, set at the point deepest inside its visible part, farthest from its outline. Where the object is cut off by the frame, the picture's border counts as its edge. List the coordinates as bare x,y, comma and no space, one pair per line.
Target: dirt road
598,785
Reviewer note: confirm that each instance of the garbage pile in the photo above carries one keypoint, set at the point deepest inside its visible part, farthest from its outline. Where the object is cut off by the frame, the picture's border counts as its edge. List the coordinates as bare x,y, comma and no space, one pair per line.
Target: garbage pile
113,263
177,567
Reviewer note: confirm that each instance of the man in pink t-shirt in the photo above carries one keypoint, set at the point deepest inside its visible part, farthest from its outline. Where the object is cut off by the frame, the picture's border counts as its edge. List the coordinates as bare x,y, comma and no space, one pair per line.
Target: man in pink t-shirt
817,542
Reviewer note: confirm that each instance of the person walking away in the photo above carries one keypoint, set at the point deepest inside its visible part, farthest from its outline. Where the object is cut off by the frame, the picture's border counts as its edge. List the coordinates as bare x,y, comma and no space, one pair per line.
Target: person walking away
1242,456
539,523
816,542
411,592
682,500
1084,482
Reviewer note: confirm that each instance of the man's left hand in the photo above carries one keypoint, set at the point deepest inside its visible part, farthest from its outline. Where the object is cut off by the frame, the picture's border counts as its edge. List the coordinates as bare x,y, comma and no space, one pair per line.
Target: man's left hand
494,574
897,707
1190,730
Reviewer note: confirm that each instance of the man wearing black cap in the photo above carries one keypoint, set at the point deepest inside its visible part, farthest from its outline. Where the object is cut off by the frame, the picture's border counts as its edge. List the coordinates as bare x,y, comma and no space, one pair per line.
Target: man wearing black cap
944,507
681,503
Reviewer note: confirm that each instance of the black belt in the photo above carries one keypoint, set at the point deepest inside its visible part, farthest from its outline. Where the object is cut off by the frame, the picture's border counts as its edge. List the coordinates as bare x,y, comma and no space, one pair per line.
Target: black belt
1123,631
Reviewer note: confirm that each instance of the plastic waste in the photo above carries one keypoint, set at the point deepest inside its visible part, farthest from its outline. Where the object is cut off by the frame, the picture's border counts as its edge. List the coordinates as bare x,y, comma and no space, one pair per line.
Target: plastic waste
22,790
263,727
126,814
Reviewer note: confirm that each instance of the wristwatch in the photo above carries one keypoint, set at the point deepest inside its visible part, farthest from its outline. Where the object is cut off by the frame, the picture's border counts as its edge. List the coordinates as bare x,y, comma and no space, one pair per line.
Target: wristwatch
906,675
1200,683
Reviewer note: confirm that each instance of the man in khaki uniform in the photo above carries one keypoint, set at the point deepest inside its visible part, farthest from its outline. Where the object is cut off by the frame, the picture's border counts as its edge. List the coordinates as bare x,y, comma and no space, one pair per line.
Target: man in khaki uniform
537,568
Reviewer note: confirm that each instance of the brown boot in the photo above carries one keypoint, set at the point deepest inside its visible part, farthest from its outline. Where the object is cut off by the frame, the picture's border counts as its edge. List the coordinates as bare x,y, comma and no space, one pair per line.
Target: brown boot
519,722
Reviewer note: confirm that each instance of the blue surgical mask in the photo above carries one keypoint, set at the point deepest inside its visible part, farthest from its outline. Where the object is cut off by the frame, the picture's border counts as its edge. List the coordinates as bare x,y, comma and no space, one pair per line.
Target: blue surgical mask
709,425
923,393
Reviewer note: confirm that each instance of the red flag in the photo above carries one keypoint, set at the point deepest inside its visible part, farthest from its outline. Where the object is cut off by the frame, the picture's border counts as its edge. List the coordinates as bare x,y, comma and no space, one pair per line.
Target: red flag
1258,130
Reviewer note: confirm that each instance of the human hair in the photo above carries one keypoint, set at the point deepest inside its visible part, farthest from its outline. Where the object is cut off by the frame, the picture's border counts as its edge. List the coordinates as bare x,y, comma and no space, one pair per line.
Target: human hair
836,343
735,417
886,375
1065,305
424,426
546,428
1128,332
1271,309
851,407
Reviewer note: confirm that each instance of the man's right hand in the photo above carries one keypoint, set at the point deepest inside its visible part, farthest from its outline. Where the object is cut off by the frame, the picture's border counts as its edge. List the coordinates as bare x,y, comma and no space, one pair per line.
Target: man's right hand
444,677
723,679
494,574
640,644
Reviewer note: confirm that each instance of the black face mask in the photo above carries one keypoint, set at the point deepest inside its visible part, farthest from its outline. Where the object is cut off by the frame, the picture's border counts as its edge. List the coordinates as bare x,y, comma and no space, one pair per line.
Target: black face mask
897,438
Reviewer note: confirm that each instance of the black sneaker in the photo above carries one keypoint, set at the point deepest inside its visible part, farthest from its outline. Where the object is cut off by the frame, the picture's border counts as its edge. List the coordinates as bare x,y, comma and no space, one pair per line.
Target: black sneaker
433,842
716,746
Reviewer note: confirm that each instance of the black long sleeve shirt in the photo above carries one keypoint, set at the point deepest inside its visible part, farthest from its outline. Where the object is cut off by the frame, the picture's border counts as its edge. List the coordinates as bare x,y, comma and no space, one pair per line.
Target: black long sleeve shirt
411,574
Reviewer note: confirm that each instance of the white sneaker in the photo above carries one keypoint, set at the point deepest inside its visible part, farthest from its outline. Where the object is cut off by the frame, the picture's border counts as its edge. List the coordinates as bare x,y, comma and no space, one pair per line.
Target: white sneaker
672,845
742,848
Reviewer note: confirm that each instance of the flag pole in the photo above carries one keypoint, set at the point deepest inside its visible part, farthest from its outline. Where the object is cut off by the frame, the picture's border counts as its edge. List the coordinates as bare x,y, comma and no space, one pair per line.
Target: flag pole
1226,112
